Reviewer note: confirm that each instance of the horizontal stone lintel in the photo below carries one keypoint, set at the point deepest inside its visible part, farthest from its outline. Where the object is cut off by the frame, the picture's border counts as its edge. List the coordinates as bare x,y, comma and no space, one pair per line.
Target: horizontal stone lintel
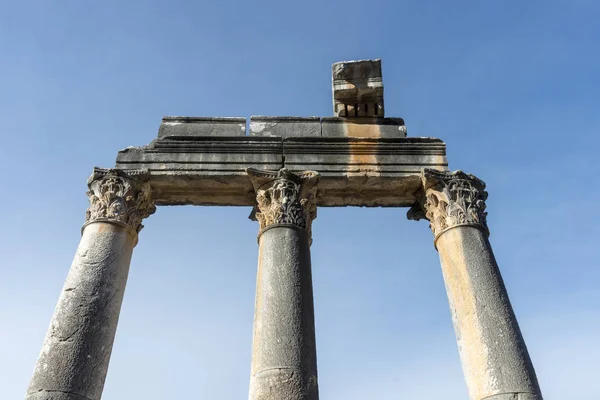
189,128
173,127
354,171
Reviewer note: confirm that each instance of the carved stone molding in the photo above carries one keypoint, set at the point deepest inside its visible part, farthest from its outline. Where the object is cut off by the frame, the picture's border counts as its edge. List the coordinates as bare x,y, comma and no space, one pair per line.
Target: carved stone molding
451,199
119,196
283,197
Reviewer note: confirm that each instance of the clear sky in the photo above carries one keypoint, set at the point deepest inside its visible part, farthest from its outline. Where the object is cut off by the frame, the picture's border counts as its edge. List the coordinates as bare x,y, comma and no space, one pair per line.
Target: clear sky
511,87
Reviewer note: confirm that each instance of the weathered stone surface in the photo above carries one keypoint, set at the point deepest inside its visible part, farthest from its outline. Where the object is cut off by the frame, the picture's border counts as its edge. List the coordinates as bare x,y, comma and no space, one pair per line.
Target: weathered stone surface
284,197
357,89
493,353
185,127
284,360
354,171
514,396
75,355
363,127
495,360
284,355
204,170
285,126
367,127
366,172
362,159
451,199
119,196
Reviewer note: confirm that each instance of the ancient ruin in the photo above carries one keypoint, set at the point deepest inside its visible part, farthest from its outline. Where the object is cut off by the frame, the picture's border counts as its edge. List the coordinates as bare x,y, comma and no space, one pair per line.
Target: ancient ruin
286,168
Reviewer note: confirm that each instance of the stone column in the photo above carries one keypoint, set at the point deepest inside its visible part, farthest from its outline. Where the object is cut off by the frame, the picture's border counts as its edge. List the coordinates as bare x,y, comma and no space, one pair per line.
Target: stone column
75,355
494,357
284,361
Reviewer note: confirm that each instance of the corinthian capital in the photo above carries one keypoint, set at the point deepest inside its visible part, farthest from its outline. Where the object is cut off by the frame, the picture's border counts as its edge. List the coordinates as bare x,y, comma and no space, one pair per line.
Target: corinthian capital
284,197
451,199
119,196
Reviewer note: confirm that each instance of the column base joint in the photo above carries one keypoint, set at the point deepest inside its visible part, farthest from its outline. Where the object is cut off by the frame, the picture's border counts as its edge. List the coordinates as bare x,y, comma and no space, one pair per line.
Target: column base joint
472,225
272,226
127,227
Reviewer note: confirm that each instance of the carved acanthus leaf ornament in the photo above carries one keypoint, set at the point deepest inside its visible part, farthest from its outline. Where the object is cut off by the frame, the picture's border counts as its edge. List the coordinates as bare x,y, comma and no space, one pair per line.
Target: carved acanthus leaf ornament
119,196
283,197
451,199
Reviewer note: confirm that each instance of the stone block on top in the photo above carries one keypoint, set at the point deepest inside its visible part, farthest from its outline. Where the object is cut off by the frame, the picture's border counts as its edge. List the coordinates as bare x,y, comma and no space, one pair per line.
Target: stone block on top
285,126
357,89
189,127
363,127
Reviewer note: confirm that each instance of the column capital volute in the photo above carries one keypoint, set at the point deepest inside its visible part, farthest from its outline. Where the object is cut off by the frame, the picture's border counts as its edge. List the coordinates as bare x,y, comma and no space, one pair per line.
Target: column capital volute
450,199
284,197
123,197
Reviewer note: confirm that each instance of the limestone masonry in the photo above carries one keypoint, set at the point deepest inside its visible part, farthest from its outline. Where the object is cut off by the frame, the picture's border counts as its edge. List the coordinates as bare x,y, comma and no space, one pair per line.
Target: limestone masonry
286,168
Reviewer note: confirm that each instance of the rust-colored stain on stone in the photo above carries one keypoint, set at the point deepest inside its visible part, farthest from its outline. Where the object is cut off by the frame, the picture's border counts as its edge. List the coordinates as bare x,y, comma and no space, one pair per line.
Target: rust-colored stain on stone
258,305
462,298
367,164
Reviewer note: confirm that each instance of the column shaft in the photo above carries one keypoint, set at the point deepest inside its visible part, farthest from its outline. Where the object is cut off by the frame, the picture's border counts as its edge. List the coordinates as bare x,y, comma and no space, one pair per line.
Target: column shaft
284,360
74,358
284,355
494,357
75,355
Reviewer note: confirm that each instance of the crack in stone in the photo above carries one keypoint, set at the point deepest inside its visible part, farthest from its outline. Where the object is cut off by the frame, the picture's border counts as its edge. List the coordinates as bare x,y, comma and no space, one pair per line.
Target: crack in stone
513,395
60,391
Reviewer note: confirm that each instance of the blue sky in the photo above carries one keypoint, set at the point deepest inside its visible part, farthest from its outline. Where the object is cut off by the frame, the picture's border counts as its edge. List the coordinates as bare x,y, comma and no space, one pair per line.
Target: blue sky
511,87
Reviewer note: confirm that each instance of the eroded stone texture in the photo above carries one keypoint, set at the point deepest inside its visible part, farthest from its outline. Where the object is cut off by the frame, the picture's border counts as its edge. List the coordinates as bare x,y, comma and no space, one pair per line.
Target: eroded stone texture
451,199
355,171
284,361
357,89
285,198
363,159
494,357
118,196
285,126
185,127
493,353
76,351
363,127
514,396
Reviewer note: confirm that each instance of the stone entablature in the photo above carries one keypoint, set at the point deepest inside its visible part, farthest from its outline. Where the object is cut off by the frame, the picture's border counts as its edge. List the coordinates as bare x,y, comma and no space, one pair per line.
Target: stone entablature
193,157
